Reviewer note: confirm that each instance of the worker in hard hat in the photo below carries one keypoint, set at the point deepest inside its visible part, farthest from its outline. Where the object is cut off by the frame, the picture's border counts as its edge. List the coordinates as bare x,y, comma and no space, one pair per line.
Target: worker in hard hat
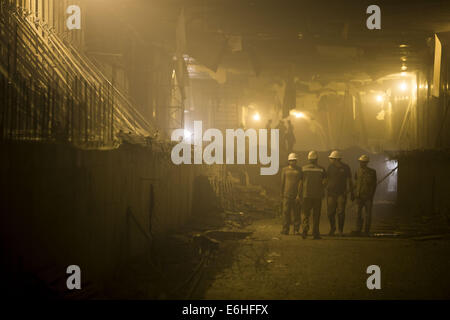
365,187
339,186
290,178
311,192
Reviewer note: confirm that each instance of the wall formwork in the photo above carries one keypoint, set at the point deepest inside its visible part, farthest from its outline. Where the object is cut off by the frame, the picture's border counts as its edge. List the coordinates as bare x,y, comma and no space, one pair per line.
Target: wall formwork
61,205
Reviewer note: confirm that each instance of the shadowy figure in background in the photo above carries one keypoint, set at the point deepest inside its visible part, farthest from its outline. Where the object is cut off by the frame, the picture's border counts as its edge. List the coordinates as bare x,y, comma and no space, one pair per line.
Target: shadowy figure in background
282,139
290,137
269,134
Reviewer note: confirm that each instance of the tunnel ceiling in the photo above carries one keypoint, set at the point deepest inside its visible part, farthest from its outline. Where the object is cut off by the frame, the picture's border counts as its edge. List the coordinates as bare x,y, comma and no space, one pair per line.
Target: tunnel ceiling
325,40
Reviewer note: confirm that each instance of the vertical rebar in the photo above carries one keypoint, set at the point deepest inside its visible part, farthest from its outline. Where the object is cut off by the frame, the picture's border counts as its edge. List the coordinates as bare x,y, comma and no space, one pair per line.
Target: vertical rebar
19,105
28,108
86,112
111,100
3,103
15,48
77,110
102,101
72,110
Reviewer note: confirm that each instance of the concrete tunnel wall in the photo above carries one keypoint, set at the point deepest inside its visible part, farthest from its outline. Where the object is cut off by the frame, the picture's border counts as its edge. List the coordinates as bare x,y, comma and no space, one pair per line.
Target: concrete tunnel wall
61,205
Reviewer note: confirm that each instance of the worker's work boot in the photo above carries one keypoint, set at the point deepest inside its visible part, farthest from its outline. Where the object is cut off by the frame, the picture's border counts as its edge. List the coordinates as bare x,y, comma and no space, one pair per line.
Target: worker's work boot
332,231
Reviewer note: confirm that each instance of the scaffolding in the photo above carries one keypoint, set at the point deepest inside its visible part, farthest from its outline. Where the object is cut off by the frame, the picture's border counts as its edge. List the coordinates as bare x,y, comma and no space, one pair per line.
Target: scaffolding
50,91
176,107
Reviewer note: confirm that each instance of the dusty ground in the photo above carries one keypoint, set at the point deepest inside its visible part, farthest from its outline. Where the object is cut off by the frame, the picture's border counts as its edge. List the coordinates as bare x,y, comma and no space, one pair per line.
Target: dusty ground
267,265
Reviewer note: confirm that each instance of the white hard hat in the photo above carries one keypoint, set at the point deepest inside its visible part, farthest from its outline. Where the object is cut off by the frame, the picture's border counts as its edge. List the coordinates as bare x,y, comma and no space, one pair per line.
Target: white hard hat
364,158
312,155
292,156
335,155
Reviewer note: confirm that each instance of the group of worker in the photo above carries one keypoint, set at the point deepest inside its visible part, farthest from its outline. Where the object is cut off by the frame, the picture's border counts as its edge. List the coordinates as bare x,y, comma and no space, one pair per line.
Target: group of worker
303,188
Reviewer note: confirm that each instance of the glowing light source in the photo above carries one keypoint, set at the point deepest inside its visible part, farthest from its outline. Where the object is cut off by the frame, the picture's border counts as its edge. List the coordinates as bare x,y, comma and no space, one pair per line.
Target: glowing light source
380,98
404,68
299,115
403,86
256,116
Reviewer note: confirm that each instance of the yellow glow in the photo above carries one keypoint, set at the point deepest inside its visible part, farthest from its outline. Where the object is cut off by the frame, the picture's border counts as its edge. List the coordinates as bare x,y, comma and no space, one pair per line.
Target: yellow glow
403,86
404,68
298,114
256,116
380,98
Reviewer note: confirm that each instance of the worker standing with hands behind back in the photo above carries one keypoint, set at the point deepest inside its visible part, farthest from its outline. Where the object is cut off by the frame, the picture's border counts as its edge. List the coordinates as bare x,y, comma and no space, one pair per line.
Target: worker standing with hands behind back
339,185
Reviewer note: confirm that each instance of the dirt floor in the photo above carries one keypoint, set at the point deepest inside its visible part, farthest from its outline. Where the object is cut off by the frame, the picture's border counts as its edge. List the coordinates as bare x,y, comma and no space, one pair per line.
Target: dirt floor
269,266
243,256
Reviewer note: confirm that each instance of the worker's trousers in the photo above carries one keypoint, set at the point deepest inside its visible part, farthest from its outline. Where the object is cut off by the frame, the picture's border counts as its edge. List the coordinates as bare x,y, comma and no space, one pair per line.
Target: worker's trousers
314,205
365,219
336,206
291,215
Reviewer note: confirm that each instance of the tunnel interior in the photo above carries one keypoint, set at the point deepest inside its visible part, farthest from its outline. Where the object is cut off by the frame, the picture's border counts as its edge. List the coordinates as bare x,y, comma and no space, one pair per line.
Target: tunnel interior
117,119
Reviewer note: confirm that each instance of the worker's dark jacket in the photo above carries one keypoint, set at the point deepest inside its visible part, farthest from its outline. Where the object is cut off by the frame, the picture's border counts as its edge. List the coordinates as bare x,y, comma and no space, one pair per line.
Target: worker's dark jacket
365,183
337,179
313,177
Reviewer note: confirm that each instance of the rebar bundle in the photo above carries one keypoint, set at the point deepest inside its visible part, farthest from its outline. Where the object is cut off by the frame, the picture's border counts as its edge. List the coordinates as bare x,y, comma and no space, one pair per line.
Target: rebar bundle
49,91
